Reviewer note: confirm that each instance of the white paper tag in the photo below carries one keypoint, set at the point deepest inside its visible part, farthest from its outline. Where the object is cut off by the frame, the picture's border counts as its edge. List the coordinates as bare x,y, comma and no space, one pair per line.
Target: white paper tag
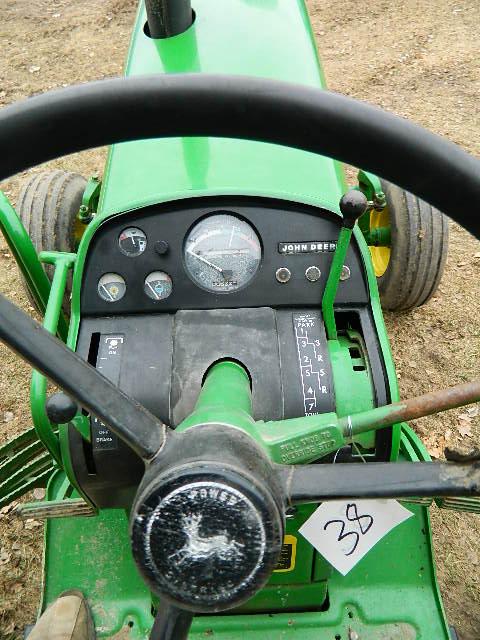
344,531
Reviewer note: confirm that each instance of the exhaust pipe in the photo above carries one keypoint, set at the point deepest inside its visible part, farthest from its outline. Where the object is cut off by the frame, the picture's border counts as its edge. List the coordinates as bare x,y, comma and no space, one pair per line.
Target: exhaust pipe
168,18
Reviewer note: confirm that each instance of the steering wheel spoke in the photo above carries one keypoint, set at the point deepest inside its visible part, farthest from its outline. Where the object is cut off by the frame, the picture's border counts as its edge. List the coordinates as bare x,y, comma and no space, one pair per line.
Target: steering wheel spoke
141,431
318,483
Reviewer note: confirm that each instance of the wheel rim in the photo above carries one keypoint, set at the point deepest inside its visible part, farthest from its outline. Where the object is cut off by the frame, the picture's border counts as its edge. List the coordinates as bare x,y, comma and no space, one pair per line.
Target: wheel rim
380,255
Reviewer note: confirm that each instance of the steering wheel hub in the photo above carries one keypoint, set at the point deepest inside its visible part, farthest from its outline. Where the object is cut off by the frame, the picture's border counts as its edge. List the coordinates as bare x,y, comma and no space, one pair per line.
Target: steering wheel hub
206,534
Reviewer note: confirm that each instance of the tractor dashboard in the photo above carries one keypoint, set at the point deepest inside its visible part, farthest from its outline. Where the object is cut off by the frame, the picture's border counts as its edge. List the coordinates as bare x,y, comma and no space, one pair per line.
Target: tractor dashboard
171,289
216,254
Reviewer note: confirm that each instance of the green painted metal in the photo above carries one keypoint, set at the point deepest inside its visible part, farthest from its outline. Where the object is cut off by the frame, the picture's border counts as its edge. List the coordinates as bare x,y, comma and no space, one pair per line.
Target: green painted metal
224,398
331,287
371,186
33,476
24,464
272,40
300,585
90,199
379,321
63,262
352,380
26,257
380,237
380,598
93,554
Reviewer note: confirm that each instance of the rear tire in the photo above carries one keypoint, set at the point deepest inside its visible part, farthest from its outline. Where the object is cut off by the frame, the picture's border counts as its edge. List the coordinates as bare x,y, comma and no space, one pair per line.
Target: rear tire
48,206
419,247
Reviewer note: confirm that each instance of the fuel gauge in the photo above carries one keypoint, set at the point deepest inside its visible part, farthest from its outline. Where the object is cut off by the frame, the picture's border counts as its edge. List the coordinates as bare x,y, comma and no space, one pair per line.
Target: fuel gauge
132,242
158,285
111,287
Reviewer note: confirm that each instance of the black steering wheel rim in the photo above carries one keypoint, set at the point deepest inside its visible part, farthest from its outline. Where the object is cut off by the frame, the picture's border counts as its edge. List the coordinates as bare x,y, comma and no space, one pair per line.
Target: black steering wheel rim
110,111
123,109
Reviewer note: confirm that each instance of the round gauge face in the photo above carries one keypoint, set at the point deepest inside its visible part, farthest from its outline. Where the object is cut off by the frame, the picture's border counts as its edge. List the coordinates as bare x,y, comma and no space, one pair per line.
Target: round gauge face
222,253
158,285
132,242
111,287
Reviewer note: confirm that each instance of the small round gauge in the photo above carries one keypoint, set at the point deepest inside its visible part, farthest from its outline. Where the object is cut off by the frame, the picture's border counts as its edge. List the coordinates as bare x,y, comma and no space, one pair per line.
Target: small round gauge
132,242
222,253
111,287
158,285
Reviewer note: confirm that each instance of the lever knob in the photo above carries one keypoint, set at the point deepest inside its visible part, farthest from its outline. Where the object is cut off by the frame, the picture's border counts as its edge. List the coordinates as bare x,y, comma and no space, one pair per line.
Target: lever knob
353,204
60,408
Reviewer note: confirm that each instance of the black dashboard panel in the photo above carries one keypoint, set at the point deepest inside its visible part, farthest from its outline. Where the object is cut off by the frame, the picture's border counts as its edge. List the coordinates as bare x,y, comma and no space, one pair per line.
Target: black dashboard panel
292,236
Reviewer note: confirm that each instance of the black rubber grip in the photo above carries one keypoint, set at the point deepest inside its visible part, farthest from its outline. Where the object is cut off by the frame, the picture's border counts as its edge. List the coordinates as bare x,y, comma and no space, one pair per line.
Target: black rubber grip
100,113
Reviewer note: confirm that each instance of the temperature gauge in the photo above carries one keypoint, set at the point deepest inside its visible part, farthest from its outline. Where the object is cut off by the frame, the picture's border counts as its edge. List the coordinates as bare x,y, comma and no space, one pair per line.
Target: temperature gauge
158,285
111,287
132,242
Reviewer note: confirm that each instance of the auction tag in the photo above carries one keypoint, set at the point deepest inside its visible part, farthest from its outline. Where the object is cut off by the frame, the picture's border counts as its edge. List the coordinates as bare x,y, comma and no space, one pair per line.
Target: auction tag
343,532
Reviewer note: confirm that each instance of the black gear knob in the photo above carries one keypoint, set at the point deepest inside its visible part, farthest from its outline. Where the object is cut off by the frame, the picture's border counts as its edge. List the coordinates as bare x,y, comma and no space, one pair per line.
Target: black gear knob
353,204
60,408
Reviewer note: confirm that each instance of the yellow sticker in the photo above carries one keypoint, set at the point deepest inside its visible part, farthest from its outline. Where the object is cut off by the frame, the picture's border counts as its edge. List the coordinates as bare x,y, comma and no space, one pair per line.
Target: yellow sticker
288,553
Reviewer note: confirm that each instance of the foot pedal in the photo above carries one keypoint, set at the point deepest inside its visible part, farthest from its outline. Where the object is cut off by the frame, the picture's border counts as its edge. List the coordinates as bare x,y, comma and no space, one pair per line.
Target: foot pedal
74,507
24,465
468,505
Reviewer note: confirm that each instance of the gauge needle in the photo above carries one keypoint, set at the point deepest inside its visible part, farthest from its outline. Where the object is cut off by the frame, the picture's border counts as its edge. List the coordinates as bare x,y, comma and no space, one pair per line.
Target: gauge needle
107,292
204,260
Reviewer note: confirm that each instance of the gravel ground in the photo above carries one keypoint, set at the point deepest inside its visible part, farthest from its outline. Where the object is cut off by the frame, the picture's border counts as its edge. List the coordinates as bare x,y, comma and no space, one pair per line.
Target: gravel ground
418,59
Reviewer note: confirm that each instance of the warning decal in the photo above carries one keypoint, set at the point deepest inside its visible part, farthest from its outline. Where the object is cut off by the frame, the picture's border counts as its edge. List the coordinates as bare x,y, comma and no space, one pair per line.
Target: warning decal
286,561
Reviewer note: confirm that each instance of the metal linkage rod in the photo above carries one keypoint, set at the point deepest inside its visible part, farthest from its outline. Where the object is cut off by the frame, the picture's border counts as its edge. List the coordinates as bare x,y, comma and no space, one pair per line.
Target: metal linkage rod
405,410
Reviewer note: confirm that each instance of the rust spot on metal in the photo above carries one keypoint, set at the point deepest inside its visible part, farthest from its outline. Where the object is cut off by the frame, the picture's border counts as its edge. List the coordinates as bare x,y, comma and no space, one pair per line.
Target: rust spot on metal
437,401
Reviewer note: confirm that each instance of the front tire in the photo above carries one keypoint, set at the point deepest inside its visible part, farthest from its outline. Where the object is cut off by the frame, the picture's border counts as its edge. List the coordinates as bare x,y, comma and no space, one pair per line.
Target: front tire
409,271
48,206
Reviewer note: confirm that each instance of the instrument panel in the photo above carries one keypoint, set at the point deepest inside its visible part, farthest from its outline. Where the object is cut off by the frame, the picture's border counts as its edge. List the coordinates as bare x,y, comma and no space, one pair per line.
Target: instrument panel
204,254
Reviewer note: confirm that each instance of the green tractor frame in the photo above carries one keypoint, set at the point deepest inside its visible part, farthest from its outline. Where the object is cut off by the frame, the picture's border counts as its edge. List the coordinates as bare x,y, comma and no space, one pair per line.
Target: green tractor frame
223,279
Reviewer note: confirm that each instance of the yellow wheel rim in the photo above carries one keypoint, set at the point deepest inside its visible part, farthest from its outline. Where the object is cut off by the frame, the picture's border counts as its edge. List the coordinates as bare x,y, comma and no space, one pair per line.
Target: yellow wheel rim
380,255
78,231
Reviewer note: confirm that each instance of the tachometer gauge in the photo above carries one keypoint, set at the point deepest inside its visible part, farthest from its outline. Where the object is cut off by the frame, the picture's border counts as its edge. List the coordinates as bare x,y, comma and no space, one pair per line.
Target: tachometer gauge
132,242
222,253
158,285
111,287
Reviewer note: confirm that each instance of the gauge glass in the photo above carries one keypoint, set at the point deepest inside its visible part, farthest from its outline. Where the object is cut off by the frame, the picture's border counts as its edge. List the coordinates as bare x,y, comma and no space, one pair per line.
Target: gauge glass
132,242
111,287
158,285
222,253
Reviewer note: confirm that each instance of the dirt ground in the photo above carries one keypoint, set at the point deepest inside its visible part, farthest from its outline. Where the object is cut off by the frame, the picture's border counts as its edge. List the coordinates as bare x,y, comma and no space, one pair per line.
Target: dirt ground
417,58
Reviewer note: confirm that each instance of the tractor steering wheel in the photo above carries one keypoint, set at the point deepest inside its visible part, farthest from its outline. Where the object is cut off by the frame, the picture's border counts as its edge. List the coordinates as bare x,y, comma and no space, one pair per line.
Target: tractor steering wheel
112,111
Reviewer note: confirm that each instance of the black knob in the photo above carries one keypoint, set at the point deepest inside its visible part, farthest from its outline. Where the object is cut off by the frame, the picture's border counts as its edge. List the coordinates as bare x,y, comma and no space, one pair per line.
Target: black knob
60,408
353,204
161,247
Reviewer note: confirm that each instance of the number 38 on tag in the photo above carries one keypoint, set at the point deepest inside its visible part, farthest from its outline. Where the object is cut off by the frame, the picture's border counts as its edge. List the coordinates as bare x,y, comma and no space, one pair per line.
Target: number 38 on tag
344,531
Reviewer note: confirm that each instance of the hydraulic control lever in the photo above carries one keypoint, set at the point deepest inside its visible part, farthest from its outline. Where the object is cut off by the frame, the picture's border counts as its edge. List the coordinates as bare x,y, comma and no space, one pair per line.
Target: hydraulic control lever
353,205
